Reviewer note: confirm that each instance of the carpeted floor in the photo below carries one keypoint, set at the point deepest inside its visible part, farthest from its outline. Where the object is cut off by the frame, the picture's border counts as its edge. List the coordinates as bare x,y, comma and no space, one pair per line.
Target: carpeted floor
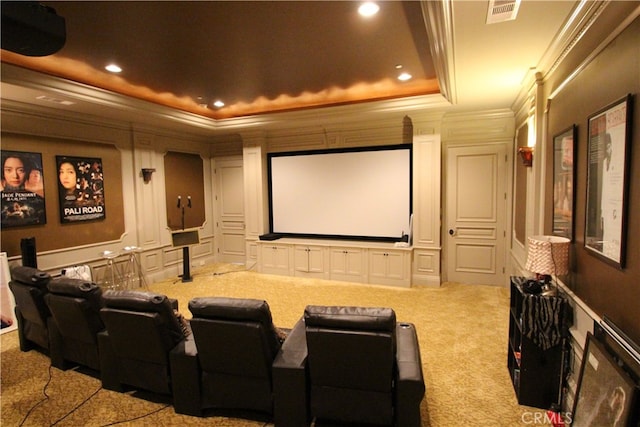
462,331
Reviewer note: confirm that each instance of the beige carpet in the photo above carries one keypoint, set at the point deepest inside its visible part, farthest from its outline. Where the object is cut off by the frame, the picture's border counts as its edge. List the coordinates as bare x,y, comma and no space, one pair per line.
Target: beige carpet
462,331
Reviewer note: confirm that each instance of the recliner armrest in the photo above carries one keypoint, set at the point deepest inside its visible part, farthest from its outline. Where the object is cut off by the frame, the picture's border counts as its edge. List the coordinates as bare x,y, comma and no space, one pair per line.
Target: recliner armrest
410,388
108,363
185,375
290,392
293,353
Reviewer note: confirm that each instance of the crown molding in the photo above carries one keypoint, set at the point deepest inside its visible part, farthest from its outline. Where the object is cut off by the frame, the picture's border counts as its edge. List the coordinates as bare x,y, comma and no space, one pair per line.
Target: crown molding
438,19
103,105
581,19
118,106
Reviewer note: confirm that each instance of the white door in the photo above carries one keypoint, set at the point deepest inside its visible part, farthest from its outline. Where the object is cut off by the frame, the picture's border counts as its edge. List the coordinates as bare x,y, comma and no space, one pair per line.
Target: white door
230,229
476,214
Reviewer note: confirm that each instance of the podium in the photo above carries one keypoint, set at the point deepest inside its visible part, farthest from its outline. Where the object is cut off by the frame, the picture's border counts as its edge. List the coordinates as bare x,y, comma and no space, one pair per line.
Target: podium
184,239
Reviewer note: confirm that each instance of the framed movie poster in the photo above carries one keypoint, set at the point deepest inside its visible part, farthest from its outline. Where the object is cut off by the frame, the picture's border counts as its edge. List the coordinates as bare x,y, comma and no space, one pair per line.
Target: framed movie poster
605,394
22,189
563,179
80,188
607,174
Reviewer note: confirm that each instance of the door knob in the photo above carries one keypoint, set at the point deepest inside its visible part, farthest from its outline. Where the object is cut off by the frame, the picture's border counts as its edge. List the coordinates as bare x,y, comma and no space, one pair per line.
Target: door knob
452,231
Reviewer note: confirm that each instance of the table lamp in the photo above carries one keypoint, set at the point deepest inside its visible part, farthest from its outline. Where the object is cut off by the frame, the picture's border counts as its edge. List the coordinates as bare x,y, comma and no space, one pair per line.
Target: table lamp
546,256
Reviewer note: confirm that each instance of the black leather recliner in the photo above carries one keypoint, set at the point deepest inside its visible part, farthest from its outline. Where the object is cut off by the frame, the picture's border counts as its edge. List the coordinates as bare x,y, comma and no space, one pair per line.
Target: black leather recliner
141,330
29,286
75,322
363,367
230,366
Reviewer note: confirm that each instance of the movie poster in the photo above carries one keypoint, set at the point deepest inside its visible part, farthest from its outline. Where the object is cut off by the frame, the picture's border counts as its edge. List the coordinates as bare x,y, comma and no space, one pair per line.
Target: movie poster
22,189
81,189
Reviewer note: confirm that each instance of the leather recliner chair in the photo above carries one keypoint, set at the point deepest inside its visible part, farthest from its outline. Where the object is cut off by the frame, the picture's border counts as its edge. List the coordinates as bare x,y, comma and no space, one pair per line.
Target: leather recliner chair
363,367
141,330
230,366
29,286
75,322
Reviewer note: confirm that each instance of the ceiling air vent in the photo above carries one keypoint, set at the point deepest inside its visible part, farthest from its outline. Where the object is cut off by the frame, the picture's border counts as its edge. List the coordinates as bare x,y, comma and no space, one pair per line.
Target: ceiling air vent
502,10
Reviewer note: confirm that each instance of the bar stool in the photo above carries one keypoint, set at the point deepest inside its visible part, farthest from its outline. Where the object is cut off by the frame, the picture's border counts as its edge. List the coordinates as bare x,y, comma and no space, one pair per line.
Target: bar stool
133,276
111,273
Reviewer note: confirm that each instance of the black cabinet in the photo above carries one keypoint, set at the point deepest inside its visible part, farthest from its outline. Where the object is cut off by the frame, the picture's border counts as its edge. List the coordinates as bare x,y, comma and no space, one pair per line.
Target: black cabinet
536,340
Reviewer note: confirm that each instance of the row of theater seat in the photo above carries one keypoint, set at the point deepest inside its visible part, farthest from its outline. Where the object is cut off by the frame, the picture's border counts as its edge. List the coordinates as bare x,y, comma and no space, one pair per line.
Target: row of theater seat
341,364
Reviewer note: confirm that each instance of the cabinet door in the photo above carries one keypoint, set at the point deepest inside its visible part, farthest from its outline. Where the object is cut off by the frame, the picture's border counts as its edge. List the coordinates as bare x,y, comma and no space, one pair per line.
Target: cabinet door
301,261
389,267
377,264
315,259
354,262
395,265
275,259
282,257
347,264
338,260
309,259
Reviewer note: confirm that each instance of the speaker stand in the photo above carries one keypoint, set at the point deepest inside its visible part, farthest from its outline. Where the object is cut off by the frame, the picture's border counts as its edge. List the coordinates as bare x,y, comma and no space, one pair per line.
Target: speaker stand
186,265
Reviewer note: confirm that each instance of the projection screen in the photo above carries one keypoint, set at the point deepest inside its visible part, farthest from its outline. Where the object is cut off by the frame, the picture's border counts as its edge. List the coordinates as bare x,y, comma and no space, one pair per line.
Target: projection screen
355,194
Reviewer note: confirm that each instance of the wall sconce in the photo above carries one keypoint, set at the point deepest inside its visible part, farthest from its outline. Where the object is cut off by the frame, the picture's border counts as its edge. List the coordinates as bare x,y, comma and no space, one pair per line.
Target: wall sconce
146,174
526,154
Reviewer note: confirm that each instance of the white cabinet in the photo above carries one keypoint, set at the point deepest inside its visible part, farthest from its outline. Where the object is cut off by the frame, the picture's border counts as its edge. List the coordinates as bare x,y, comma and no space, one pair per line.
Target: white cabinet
390,267
363,262
275,259
309,261
348,264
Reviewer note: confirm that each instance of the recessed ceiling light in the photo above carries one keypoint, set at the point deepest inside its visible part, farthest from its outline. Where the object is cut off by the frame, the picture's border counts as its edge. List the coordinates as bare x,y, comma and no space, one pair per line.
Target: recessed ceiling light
113,68
368,9
404,77
218,104
202,103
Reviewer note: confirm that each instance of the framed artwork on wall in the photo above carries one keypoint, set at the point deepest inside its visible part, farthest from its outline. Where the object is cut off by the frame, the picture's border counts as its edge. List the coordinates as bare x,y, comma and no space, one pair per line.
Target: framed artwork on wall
607,177
605,394
80,189
22,189
564,156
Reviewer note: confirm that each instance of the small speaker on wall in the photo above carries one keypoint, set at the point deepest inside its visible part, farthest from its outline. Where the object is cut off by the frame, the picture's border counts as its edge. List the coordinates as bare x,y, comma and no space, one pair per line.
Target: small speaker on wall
28,249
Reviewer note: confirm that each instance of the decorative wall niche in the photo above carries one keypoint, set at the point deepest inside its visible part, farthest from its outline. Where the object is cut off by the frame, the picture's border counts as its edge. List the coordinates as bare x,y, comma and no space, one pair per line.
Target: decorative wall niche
184,187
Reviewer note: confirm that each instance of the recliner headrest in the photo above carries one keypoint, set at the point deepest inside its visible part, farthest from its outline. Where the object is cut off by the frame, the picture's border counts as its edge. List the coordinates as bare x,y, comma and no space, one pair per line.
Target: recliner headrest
73,287
146,302
231,309
30,276
355,318
77,288
137,301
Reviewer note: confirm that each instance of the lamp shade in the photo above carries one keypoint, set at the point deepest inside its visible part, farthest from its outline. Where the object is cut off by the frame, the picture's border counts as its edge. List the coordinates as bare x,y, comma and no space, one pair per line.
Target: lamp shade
548,255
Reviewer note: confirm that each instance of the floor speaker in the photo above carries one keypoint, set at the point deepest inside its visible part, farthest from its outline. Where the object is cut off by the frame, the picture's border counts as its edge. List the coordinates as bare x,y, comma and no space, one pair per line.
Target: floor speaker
28,248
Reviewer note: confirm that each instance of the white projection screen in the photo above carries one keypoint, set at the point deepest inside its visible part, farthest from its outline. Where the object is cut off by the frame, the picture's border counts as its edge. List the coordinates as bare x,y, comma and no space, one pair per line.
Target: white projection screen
354,194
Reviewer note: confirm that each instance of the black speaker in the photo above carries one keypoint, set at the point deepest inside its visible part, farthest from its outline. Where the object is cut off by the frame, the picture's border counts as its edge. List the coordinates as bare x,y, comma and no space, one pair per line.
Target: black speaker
32,29
28,248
